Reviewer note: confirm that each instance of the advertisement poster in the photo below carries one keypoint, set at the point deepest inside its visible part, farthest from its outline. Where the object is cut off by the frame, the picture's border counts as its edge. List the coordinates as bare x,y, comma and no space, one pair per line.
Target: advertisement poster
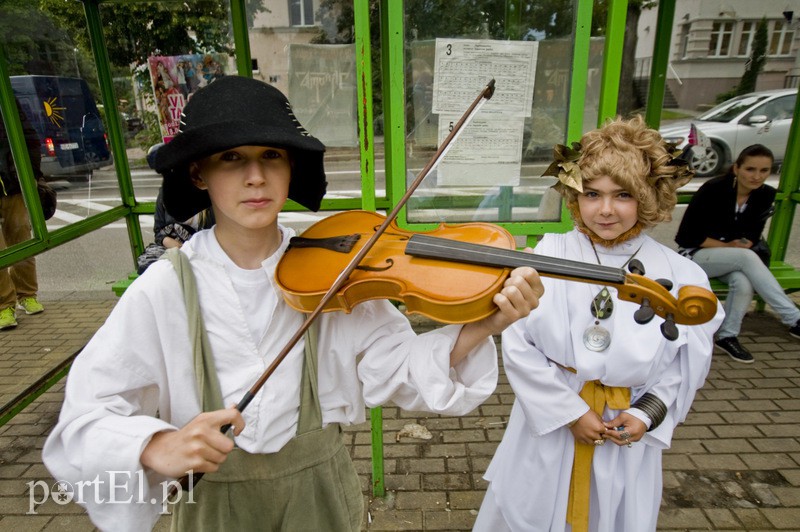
175,78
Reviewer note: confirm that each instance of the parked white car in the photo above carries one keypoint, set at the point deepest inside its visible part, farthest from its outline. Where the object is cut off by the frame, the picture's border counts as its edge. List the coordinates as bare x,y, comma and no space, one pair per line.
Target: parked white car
762,117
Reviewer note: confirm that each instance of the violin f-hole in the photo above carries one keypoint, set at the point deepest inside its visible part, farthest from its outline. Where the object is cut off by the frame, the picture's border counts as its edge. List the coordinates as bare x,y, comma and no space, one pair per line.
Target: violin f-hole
364,267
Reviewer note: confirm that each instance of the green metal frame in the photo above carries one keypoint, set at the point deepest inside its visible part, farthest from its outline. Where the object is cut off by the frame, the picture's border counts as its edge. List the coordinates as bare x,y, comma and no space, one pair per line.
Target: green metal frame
788,191
367,143
658,69
116,137
612,60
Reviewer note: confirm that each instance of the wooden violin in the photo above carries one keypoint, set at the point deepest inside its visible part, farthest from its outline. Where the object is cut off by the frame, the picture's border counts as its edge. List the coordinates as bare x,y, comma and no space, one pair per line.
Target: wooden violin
449,274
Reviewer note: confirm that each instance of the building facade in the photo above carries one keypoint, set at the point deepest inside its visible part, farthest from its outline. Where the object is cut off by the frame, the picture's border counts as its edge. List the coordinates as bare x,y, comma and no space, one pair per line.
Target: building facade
711,44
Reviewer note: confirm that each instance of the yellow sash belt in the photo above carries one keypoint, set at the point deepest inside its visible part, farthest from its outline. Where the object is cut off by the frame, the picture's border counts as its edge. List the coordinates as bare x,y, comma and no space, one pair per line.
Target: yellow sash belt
596,395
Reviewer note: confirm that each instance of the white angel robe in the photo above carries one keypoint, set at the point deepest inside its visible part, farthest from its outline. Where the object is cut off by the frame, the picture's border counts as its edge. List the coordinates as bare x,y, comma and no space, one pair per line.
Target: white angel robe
530,473
136,376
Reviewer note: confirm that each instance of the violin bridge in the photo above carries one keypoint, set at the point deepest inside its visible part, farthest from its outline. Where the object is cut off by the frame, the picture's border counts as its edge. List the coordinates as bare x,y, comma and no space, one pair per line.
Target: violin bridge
340,244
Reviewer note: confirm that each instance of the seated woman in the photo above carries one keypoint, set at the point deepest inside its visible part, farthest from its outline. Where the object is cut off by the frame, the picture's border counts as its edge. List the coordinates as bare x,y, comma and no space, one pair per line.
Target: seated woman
721,231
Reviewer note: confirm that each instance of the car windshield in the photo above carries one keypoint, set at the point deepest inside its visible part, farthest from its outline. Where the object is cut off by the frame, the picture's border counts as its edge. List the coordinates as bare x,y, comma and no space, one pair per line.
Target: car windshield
730,109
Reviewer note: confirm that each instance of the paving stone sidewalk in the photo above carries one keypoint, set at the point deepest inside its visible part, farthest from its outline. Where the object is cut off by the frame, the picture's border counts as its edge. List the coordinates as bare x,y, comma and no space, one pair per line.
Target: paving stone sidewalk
734,465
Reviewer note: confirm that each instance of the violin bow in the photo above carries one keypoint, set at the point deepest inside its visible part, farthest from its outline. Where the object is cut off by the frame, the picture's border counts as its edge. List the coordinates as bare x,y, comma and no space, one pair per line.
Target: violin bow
188,481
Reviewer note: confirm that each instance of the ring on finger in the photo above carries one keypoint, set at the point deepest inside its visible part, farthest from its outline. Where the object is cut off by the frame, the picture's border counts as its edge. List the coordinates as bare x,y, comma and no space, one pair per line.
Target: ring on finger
599,442
625,435
630,444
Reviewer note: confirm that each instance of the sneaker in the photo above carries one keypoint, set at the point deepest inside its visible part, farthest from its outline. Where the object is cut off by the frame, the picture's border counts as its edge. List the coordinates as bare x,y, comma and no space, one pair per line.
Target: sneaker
735,350
8,318
795,330
30,305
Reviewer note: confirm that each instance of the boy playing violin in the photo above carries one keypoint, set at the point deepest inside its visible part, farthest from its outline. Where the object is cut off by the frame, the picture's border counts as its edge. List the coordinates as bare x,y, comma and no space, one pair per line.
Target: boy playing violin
598,394
145,399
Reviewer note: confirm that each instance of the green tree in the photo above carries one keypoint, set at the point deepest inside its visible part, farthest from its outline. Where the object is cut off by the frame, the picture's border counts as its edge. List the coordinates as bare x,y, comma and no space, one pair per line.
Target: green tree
629,100
755,64
28,35
133,31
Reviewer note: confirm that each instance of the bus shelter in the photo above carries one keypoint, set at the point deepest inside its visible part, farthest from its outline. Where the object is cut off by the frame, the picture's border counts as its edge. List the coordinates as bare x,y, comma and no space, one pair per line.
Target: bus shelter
380,82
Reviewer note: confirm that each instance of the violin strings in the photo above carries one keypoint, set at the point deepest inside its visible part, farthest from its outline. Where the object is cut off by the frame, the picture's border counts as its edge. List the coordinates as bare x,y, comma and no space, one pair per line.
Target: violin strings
446,249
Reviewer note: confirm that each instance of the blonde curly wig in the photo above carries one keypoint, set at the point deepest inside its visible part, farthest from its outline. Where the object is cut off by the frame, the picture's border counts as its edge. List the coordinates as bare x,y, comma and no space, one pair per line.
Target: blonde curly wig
636,158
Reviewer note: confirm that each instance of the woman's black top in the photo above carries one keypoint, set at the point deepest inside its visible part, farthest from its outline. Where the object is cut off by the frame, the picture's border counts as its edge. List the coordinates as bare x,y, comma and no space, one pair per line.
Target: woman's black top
712,214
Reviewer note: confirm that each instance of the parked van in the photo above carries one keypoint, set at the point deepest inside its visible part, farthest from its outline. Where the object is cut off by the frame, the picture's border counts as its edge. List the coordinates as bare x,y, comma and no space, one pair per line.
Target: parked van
64,114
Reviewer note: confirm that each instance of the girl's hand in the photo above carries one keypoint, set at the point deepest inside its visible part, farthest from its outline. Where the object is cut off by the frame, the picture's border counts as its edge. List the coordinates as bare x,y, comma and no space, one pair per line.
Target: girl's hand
740,243
199,446
625,425
589,428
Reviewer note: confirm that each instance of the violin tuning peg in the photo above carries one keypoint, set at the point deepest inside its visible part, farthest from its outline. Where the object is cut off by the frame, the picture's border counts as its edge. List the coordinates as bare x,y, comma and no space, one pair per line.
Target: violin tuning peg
669,329
666,283
645,312
636,266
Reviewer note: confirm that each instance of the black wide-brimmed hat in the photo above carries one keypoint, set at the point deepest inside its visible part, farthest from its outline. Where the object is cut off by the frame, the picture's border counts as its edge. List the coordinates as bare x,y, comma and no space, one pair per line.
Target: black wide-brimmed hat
237,111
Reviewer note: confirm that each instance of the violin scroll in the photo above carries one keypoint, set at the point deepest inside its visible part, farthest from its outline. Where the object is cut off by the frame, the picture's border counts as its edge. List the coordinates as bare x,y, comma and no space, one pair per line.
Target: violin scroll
694,305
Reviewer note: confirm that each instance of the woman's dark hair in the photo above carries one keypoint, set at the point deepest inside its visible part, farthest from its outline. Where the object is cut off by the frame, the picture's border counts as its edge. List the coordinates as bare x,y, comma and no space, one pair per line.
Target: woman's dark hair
755,150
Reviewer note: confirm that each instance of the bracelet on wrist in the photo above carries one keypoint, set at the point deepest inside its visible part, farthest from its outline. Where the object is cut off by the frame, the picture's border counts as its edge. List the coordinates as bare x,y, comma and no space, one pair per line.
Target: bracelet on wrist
653,407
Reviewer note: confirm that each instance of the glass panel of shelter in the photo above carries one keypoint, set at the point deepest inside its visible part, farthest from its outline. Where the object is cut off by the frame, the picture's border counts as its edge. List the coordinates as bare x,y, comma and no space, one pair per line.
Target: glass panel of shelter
315,67
156,73
55,84
497,45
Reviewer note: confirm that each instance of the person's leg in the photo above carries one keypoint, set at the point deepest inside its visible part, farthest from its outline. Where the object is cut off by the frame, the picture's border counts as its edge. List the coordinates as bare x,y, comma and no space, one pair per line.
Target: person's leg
17,227
718,261
770,290
740,296
8,296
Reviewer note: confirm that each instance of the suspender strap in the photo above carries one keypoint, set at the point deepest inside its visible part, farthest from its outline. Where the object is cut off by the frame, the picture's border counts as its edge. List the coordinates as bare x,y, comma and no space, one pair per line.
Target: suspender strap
310,410
204,369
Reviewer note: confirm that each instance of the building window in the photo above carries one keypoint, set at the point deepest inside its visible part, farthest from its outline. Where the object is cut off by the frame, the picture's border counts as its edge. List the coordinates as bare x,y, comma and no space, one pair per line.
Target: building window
720,44
684,41
301,12
781,41
746,40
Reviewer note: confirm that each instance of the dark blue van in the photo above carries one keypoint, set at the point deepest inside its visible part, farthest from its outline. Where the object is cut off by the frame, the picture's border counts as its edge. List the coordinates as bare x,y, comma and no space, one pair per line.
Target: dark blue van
64,114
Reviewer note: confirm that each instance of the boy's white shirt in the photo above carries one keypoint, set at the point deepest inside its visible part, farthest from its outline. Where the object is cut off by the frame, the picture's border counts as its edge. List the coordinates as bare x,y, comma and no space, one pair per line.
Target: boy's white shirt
136,376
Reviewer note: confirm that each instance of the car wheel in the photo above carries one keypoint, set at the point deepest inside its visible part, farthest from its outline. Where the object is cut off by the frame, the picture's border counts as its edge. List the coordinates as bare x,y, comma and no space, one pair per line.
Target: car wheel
708,162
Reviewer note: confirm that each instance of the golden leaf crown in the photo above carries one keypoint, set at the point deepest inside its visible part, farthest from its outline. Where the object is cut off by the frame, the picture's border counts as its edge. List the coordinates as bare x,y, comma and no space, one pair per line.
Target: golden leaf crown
565,166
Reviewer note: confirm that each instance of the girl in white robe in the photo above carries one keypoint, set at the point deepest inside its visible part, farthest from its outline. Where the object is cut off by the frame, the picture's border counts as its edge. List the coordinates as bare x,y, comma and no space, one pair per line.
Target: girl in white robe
616,183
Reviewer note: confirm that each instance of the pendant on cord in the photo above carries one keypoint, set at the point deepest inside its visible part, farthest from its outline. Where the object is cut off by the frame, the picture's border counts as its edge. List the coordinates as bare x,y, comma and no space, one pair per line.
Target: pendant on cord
602,304
596,338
